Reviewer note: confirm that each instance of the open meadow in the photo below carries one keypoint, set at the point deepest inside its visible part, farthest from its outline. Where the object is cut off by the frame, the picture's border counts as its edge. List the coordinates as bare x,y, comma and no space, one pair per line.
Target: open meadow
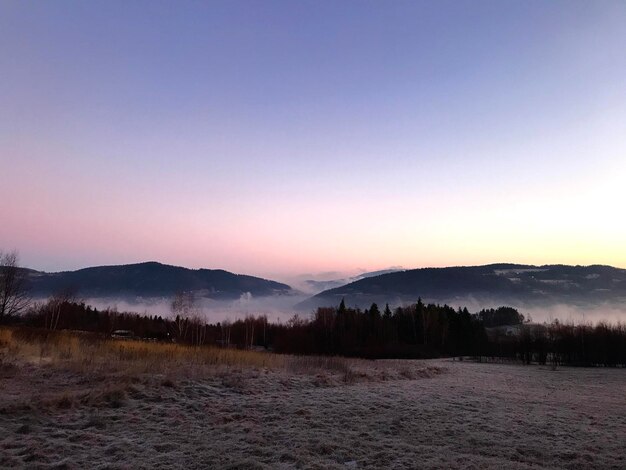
70,400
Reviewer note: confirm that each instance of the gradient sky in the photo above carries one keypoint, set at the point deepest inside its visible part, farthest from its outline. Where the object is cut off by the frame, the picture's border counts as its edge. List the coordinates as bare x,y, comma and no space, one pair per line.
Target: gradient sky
277,138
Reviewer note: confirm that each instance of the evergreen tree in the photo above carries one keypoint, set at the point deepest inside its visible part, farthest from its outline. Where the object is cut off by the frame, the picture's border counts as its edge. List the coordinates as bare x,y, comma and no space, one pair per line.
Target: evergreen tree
387,312
374,311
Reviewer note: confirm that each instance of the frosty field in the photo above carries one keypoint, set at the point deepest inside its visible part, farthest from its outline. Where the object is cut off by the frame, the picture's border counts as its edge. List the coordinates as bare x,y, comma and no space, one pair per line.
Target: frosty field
119,405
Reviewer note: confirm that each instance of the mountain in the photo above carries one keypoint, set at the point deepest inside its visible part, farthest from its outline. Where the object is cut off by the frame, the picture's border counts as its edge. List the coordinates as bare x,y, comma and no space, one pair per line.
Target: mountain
152,279
495,284
319,286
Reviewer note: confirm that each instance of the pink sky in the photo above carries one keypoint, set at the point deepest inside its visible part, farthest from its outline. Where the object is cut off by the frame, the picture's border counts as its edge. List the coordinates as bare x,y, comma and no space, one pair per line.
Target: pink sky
287,139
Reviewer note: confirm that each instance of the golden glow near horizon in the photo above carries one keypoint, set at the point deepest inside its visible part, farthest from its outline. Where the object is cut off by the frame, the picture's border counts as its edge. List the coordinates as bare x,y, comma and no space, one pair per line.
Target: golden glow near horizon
283,150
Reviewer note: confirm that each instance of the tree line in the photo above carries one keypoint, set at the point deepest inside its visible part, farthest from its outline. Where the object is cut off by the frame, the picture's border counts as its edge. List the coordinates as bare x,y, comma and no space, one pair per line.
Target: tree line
418,330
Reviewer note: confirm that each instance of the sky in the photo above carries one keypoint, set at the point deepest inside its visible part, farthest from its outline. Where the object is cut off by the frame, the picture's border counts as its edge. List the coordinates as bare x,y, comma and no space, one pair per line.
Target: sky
308,137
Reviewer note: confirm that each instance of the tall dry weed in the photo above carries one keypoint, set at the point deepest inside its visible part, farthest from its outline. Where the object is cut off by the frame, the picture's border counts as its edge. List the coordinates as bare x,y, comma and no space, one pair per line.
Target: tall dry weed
87,353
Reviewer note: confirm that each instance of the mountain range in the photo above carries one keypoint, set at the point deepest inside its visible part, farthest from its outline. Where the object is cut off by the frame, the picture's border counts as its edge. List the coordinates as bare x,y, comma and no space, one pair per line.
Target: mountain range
473,286
490,285
152,279
315,286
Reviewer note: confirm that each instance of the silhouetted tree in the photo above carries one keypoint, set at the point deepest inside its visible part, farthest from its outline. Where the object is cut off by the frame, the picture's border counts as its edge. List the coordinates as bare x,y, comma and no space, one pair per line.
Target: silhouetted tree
387,312
55,306
13,291
374,311
184,307
342,307
500,317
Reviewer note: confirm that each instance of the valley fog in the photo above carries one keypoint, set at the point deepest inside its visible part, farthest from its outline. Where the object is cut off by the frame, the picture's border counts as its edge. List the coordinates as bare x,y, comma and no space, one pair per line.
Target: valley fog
277,309
282,308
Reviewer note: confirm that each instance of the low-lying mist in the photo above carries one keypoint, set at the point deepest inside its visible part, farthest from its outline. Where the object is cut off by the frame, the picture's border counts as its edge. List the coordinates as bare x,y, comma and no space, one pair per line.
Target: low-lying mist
276,308
548,312
282,308
577,314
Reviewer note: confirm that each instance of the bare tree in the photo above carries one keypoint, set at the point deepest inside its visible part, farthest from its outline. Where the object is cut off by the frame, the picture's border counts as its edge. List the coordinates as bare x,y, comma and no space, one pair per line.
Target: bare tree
198,328
249,331
184,307
13,290
225,340
55,304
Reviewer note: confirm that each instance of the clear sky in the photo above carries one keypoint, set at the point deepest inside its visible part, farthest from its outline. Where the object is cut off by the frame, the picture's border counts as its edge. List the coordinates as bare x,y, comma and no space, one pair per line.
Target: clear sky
278,138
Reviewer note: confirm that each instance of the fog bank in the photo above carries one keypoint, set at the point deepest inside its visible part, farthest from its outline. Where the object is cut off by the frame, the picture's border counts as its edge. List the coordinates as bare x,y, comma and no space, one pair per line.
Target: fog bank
281,308
277,308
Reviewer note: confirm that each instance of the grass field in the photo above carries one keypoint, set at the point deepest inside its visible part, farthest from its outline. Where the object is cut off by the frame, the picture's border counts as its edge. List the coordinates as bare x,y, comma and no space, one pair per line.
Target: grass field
75,401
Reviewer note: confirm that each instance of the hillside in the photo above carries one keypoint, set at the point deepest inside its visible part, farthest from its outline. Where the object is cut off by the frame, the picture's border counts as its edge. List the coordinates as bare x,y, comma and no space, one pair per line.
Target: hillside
315,287
512,284
152,279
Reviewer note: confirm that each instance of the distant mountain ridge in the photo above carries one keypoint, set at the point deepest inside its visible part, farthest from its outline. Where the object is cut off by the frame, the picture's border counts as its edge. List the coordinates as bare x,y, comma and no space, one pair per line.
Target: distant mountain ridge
504,283
152,279
319,286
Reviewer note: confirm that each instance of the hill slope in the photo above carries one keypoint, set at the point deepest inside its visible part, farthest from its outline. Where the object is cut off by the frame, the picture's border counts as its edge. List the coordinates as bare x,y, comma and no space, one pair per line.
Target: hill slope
152,279
315,287
512,284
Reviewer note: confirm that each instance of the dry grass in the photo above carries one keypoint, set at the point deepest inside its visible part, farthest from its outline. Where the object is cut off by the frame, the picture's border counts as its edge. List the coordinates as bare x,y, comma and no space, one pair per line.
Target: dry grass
93,355
67,369
69,400
90,353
